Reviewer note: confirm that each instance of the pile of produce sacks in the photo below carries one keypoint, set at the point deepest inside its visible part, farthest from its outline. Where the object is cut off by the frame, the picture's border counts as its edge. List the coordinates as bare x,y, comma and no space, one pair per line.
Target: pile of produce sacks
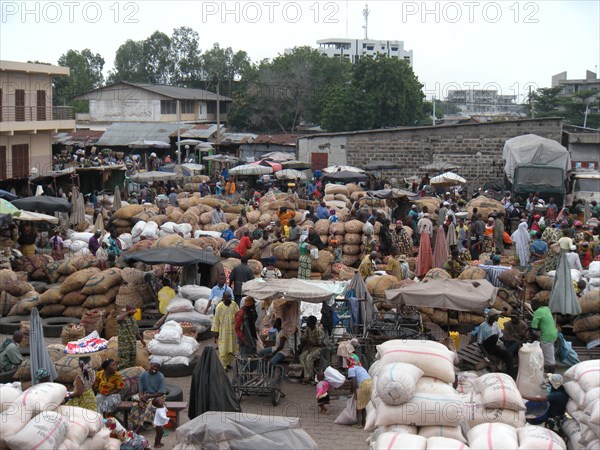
181,309
587,325
171,346
35,418
582,383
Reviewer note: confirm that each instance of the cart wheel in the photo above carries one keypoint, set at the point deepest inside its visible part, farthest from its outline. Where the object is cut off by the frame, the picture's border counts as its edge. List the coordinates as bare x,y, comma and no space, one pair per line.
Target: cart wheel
275,396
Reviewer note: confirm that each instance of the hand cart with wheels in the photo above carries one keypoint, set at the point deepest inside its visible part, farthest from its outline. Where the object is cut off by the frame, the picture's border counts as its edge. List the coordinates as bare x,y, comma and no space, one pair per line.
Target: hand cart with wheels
255,376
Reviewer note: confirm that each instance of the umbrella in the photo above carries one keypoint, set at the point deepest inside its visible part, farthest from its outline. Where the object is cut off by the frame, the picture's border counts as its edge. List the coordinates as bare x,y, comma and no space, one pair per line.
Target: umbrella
358,289
117,199
250,169
279,156
146,177
263,162
382,165
8,208
563,299
7,195
39,357
298,165
337,168
458,295
75,216
190,167
203,145
292,289
29,216
440,166
346,176
393,193
189,142
290,174
176,256
448,179
99,225
141,143
43,203
221,158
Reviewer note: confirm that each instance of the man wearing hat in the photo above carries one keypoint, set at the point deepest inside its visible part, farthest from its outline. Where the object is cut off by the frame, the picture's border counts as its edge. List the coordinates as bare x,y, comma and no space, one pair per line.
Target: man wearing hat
487,340
152,385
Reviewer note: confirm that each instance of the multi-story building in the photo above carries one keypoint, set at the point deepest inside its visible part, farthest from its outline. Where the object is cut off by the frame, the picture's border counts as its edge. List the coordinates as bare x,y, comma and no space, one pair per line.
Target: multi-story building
591,82
354,49
27,118
483,101
140,102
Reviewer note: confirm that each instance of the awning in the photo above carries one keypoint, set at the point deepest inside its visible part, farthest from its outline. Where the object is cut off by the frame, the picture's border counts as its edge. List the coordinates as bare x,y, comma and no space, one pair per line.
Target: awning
176,256
292,289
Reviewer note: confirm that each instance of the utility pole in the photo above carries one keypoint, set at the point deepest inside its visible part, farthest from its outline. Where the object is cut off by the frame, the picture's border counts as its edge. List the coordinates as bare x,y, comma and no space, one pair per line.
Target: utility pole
218,113
531,104
587,109
433,101
178,133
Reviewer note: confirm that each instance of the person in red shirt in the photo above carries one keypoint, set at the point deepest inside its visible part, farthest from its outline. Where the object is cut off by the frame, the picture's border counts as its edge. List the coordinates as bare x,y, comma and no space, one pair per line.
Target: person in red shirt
244,245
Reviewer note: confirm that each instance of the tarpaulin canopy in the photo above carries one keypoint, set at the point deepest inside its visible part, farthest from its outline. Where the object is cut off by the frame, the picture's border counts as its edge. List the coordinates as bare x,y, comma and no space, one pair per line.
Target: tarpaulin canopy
240,431
290,174
448,179
533,149
279,156
250,169
44,204
297,165
29,216
393,193
267,163
148,144
146,177
457,295
8,208
292,289
346,176
381,165
338,168
176,256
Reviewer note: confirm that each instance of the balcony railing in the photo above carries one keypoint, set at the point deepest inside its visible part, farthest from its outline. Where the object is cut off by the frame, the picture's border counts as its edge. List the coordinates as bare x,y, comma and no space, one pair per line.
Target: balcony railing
35,113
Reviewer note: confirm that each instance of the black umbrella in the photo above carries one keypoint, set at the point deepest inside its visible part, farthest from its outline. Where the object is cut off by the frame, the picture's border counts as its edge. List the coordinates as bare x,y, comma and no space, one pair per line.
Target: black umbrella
346,176
381,165
7,195
298,165
176,256
43,203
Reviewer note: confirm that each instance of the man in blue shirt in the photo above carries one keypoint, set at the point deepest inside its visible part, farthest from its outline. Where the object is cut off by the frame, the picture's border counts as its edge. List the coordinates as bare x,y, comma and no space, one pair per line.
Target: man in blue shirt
218,291
152,385
322,212
538,248
487,339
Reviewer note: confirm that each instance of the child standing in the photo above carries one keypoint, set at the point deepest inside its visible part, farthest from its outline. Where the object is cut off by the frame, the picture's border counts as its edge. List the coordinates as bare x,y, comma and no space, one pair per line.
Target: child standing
323,387
160,420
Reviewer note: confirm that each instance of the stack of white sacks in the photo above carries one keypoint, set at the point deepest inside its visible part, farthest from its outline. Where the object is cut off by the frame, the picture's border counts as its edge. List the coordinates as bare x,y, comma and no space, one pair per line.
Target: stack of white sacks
593,276
171,346
414,404
189,306
36,419
582,383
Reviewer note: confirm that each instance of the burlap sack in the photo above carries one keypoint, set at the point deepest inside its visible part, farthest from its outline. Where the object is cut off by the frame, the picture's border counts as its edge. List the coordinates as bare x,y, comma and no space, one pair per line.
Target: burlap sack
127,212
332,189
74,298
6,275
348,249
350,260
511,278
17,288
337,228
131,294
74,311
7,302
322,226
51,296
437,274
588,336
590,302
25,326
256,267
111,326
25,304
103,281
323,263
55,310
543,297
51,271
485,206
545,282
71,332
586,322
353,226
92,320
472,273
353,238
379,284
78,280
100,300
132,276
533,270
68,366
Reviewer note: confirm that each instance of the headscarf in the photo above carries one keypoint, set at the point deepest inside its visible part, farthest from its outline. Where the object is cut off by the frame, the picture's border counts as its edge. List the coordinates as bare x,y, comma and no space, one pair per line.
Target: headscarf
249,301
521,239
353,360
42,373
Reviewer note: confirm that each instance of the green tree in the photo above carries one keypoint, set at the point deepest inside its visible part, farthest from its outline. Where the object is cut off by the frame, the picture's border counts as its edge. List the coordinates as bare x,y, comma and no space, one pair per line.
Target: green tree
185,53
552,102
545,102
129,63
346,109
86,75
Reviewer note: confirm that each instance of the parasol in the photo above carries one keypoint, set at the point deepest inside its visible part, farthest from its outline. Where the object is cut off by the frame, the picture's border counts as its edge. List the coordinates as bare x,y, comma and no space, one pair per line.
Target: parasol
28,216
99,225
448,179
39,357
8,208
141,143
338,168
346,176
297,165
382,165
292,289
44,204
176,256
291,174
7,195
394,194
358,289
117,199
250,169
278,156
563,299
263,162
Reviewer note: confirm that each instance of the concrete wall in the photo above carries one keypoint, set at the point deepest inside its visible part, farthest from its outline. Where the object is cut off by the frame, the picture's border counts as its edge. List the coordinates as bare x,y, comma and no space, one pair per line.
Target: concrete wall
40,151
122,102
257,150
30,83
416,147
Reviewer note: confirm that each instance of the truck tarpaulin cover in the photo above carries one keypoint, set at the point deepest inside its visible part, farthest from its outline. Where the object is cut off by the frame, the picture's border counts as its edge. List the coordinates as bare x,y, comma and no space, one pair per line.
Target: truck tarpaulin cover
532,149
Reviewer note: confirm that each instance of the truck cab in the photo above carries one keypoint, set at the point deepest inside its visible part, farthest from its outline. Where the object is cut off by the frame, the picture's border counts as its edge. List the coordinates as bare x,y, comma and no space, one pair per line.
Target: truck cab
546,180
584,184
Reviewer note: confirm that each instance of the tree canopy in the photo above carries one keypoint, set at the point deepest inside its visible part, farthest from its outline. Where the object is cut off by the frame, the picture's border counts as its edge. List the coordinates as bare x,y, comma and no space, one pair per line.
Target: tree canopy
552,102
86,75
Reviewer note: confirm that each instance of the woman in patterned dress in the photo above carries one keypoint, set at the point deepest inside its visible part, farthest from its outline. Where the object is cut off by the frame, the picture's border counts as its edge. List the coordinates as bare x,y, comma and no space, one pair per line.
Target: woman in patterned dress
401,240
304,262
128,334
108,385
551,235
83,394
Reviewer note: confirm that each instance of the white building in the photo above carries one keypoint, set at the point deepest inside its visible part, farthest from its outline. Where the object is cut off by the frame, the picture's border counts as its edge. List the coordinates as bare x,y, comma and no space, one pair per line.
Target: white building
483,101
354,49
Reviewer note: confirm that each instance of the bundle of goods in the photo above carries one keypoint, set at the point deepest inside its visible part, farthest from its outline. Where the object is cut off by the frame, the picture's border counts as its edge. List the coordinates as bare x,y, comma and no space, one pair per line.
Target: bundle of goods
134,290
17,297
582,383
171,346
502,436
181,309
493,397
531,380
34,266
342,272
593,276
485,206
587,324
89,344
142,358
72,332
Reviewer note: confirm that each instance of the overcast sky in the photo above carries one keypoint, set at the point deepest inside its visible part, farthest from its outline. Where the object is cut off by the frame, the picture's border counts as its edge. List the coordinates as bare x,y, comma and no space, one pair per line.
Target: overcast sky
509,45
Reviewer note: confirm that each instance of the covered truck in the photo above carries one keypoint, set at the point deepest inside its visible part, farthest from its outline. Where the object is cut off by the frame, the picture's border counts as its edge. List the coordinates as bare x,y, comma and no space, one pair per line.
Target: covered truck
536,164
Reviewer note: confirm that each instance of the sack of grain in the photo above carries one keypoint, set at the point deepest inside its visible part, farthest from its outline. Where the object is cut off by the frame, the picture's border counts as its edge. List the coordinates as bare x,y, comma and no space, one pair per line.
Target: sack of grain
545,282
348,249
531,380
72,332
127,212
6,275
499,390
586,374
353,239
437,274
533,438
511,278
73,311
25,304
399,441
67,368
186,347
101,300
92,320
434,359
103,281
496,436
17,288
51,296
337,228
353,226
9,393
443,443
42,397
47,431
443,432
396,383
332,189
472,273
77,280
590,302
323,264
82,422
132,276
379,284
74,298
485,206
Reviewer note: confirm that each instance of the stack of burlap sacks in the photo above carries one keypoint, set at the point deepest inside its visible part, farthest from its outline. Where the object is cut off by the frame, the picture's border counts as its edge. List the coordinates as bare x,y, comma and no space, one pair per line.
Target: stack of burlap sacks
582,383
35,418
172,346
16,294
587,325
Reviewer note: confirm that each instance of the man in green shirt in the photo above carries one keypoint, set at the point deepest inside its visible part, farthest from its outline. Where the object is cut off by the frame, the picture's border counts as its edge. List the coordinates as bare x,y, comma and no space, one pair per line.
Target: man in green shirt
544,323
10,356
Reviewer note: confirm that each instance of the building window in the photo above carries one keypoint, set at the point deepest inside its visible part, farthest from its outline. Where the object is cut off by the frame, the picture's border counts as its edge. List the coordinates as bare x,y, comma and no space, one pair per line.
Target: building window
370,47
211,107
41,105
19,105
20,161
3,175
187,107
394,49
168,107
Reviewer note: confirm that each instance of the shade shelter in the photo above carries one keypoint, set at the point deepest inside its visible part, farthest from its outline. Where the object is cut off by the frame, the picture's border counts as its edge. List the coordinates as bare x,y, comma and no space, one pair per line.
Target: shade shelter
43,203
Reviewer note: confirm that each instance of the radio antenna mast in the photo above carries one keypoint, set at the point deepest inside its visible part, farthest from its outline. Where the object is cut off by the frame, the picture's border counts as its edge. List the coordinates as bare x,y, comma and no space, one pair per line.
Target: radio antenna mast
366,16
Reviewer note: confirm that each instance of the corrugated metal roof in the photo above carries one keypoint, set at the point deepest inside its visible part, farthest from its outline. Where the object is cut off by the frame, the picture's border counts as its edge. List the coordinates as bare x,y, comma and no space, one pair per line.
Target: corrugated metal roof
174,92
238,138
123,133
79,137
202,131
277,139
